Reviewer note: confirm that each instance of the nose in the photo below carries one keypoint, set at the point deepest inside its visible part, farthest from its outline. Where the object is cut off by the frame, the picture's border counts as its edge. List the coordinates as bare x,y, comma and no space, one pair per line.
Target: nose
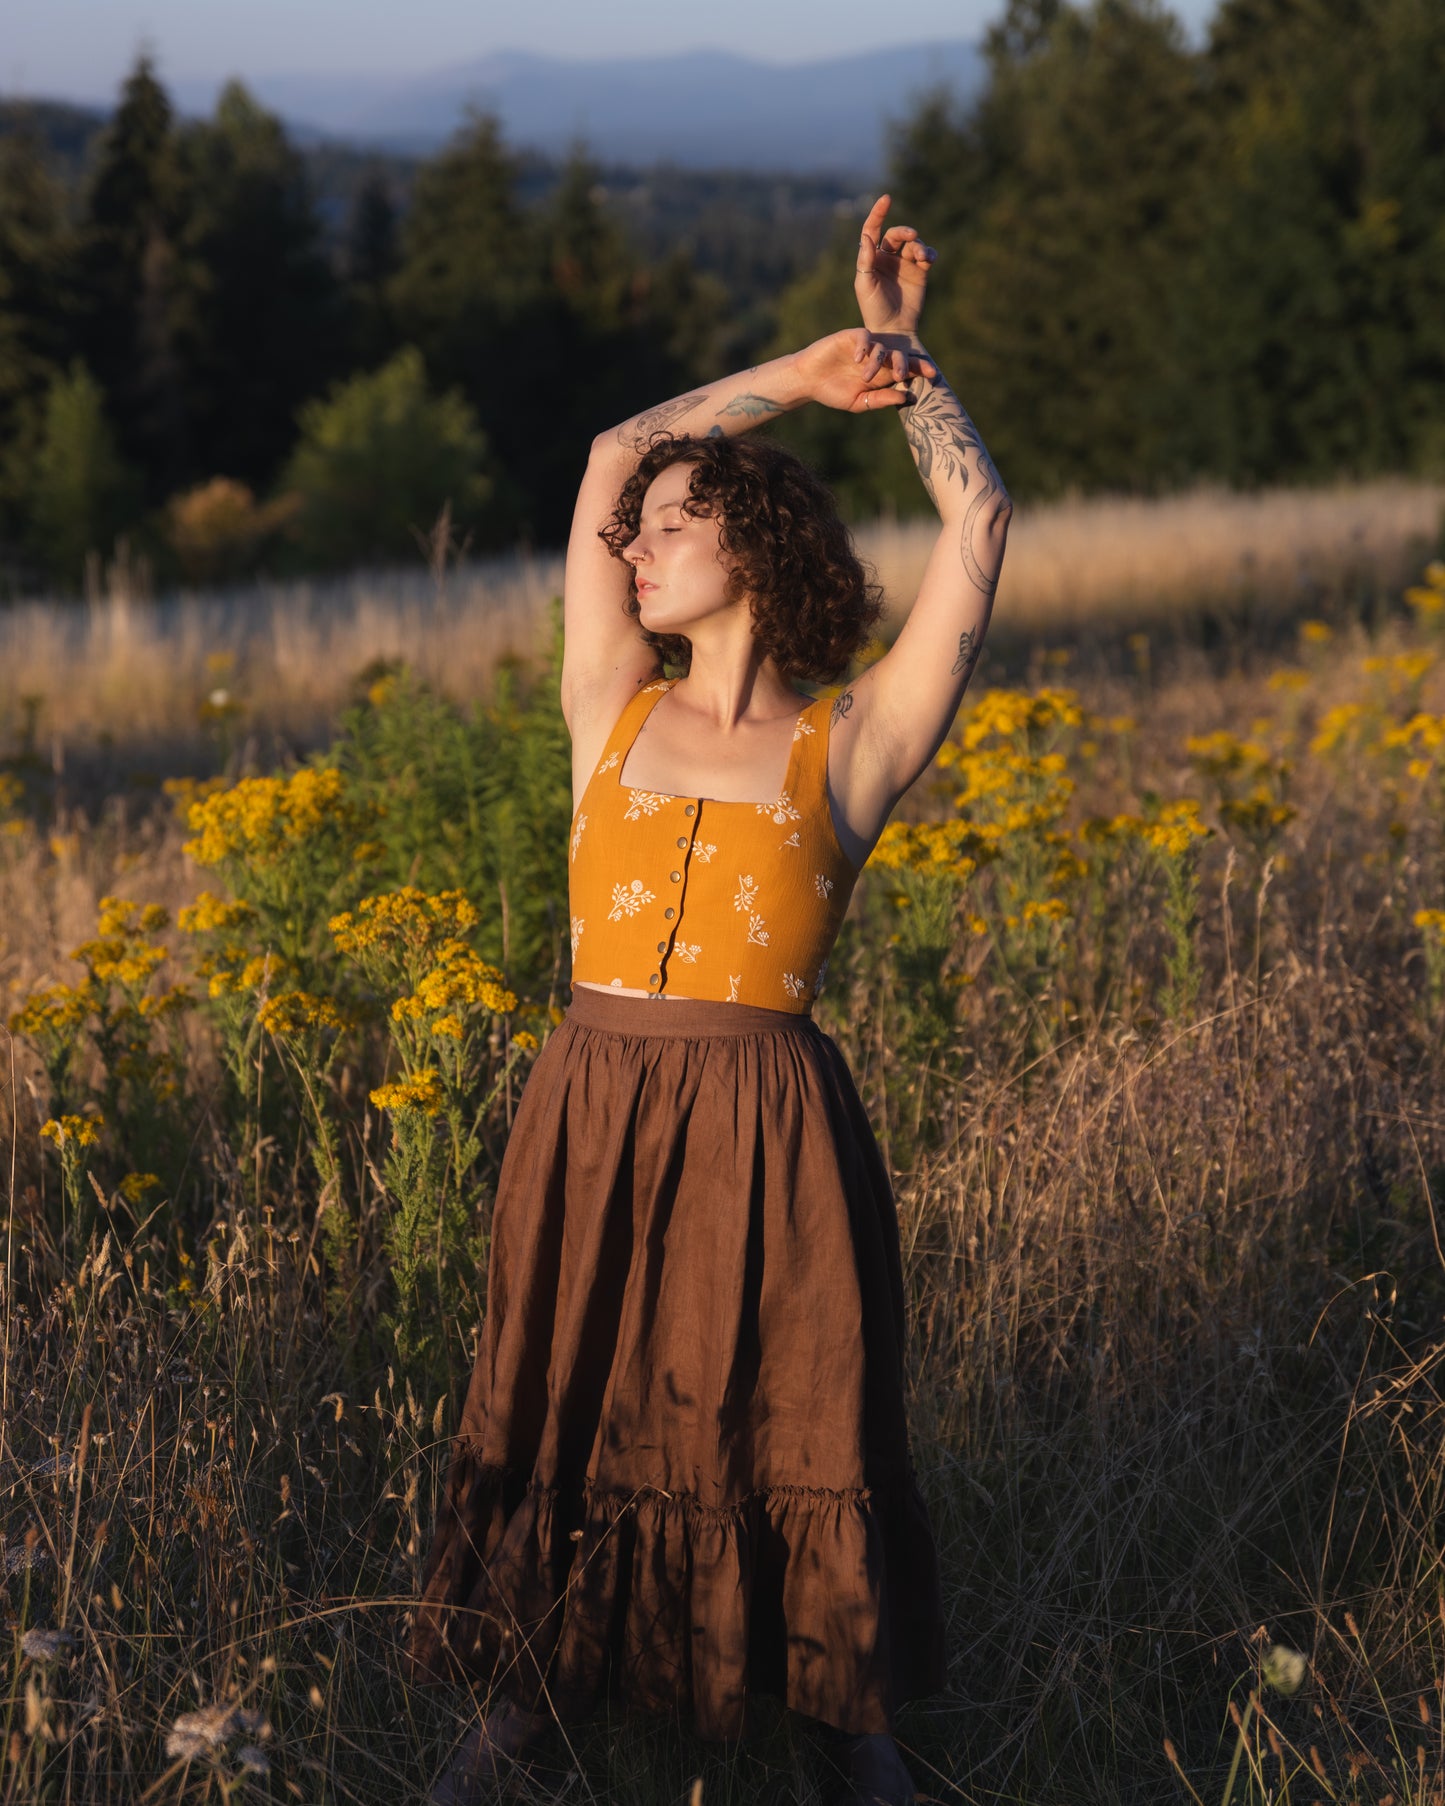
636,551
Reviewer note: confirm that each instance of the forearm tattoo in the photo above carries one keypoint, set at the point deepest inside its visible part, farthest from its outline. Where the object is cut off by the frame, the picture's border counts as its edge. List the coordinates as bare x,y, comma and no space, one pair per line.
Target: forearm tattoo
754,407
637,434
940,436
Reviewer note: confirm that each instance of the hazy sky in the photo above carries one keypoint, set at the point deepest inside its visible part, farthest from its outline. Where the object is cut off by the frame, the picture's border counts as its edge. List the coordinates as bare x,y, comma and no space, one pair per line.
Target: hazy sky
82,48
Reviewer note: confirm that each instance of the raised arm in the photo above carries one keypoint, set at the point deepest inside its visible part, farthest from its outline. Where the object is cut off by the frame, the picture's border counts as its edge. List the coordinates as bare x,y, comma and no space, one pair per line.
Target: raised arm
604,655
892,720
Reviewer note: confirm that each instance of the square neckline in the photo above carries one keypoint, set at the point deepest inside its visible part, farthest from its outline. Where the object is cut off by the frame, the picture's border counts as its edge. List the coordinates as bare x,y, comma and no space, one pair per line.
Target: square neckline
720,802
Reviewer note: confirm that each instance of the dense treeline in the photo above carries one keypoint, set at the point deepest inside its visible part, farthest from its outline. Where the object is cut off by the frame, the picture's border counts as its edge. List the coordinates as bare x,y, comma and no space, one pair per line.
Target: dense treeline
1158,263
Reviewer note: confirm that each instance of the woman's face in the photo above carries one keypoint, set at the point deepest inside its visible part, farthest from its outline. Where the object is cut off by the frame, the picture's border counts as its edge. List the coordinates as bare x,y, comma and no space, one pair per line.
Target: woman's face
680,569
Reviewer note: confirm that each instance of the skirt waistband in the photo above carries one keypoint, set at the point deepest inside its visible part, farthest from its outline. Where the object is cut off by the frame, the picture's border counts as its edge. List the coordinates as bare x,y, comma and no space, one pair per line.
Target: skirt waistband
683,1016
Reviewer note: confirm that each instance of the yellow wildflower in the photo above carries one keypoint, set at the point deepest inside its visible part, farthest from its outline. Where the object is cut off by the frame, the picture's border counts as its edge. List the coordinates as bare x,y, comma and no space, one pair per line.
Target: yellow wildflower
1337,725
261,819
1175,829
525,1039
210,914
293,1014
1290,677
54,1010
134,1186
448,1027
403,920
116,916
423,1091
1316,633
84,1131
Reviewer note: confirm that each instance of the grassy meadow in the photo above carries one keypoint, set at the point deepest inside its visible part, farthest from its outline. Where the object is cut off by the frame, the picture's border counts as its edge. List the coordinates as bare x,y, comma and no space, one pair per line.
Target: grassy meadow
1144,989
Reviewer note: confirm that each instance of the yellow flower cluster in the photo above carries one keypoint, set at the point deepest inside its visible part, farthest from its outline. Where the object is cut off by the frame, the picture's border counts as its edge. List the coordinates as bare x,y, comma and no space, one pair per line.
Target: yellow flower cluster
135,1186
459,977
210,914
403,920
423,1091
1257,815
117,960
54,1010
1222,754
1428,599
1008,714
952,847
1402,670
11,793
117,916
1172,832
1316,633
83,1131
295,1014
1337,727
259,820
234,969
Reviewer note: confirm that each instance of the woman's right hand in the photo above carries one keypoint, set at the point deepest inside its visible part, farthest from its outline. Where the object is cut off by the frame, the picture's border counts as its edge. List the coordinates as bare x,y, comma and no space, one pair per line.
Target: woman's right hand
859,371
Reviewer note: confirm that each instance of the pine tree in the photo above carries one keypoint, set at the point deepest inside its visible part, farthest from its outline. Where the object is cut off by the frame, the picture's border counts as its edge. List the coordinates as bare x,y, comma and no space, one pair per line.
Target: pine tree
130,280
262,322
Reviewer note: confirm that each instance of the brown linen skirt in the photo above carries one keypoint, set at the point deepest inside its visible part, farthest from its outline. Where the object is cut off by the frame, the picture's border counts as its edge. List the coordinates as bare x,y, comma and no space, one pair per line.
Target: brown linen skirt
682,1467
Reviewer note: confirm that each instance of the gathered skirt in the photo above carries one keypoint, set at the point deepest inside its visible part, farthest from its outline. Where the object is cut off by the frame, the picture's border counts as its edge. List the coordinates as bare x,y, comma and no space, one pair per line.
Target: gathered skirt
682,1469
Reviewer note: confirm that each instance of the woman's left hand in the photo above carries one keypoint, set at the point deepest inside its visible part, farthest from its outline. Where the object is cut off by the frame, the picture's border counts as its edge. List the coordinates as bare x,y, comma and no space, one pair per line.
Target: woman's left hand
891,273
860,371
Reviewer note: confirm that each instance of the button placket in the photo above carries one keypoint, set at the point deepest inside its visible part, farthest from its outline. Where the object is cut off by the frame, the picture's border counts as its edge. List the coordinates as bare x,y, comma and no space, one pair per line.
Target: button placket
676,876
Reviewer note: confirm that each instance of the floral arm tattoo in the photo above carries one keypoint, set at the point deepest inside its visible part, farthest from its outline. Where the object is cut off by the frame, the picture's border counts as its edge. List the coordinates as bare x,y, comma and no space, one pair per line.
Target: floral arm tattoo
960,479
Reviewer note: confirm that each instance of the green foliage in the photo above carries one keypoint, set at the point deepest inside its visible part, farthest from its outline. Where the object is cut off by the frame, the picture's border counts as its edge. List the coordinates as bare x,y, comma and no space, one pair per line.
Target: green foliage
82,494
260,330
378,459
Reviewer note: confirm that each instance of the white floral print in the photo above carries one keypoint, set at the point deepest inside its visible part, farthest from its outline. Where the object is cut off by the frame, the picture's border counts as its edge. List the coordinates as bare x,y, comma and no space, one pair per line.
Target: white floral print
607,764
703,850
734,980
644,802
627,899
688,952
577,834
578,924
747,892
791,841
794,985
822,884
780,811
801,727
757,933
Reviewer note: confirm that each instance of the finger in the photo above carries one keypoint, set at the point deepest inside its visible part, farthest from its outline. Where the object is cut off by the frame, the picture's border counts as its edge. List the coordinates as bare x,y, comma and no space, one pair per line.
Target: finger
896,238
877,213
872,400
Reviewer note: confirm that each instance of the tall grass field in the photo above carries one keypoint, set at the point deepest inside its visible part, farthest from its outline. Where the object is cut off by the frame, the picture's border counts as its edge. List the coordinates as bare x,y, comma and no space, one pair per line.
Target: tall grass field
1144,989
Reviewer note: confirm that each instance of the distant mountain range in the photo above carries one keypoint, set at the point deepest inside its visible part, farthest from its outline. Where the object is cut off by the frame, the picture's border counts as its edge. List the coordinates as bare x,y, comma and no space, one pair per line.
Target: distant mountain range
699,110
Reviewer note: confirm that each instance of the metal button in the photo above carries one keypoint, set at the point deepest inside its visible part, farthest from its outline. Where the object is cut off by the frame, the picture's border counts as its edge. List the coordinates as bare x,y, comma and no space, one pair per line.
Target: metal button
677,877
682,840
691,809
669,913
662,946
653,979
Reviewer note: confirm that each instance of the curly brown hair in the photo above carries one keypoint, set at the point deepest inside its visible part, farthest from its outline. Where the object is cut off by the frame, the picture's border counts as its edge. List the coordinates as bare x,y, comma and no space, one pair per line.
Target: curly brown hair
813,603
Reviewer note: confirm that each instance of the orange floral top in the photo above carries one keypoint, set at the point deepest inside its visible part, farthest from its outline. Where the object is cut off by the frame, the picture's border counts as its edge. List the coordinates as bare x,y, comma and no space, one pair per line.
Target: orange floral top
737,902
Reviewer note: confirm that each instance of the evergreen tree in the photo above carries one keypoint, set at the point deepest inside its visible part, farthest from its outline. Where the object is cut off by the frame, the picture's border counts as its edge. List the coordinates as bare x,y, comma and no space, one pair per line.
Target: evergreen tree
1317,300
261,328
130,280
371,257
36,309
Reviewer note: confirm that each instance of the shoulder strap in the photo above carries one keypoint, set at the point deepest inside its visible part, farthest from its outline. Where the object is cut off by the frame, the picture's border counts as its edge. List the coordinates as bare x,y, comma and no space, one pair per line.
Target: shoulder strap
810,767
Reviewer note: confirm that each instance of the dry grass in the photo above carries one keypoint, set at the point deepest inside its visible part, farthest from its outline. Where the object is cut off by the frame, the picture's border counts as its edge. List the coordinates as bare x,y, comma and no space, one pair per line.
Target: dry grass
1176,1296
138,673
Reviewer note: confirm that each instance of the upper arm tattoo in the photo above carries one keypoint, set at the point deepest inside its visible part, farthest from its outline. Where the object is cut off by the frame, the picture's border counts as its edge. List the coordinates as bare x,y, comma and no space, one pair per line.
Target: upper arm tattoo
658,419
842,703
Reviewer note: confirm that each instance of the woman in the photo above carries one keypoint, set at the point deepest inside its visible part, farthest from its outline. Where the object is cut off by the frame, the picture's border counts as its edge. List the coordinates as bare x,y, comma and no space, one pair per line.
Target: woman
682,1464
